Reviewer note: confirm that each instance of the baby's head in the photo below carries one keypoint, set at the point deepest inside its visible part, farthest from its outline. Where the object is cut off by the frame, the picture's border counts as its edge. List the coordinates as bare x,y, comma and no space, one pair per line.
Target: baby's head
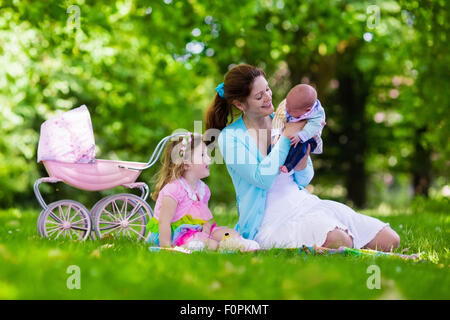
183,154
300,100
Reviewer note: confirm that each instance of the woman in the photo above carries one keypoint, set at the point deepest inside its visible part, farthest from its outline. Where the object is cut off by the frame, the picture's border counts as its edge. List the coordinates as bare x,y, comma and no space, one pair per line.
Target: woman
274,208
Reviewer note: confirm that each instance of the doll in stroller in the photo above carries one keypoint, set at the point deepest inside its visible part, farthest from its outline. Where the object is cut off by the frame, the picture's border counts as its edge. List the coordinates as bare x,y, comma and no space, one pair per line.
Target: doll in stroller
67,150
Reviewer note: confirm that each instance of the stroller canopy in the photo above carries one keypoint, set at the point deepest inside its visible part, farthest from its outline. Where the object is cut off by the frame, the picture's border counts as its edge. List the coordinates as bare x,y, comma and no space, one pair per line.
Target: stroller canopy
68,137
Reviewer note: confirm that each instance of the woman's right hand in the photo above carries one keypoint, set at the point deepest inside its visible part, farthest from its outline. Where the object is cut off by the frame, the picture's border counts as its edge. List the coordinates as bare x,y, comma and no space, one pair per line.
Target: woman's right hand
291,128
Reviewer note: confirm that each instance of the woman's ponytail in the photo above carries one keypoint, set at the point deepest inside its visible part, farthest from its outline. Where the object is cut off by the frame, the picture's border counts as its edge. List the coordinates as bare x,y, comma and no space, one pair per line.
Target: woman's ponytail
217,113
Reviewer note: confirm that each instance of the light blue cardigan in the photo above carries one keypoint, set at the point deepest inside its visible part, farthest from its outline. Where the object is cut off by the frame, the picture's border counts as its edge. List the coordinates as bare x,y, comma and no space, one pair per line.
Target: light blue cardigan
252,174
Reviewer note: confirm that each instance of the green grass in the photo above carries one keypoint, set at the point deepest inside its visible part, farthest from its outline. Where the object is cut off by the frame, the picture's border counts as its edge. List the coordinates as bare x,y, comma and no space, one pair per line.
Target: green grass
35,268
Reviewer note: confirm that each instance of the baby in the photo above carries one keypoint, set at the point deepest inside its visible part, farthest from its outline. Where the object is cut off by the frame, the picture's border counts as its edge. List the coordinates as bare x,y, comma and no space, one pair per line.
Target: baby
301,103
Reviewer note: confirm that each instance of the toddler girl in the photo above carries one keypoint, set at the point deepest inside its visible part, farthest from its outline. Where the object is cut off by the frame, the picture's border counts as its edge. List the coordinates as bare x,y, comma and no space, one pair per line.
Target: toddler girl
182,217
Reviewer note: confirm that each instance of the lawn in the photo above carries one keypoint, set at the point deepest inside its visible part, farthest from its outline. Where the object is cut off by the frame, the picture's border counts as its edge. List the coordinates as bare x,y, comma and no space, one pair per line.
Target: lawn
36,268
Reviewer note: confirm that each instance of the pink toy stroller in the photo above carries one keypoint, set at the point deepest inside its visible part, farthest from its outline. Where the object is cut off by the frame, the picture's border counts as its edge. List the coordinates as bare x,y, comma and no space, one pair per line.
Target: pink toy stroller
66,148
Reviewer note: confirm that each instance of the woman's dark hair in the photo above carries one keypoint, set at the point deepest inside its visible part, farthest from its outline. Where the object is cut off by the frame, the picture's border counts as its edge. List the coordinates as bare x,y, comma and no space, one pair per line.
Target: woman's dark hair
237,86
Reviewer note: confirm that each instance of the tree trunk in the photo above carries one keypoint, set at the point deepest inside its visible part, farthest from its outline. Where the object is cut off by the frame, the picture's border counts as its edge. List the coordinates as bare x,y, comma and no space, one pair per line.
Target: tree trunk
354,88
421,165
353,138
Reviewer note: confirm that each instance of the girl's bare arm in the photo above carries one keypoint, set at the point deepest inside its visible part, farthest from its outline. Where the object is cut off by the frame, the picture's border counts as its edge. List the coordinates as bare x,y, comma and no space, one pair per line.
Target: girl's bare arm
168,207
207,227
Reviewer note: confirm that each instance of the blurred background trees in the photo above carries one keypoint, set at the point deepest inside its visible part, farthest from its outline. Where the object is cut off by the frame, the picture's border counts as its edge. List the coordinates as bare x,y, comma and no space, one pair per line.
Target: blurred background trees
146,68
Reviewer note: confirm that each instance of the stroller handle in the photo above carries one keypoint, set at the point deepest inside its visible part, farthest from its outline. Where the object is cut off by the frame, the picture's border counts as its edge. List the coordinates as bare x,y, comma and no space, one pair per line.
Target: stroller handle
156,154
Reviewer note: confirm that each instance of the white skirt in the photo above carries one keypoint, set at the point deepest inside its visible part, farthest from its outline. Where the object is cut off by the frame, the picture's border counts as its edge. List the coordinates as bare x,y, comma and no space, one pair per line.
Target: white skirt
294,217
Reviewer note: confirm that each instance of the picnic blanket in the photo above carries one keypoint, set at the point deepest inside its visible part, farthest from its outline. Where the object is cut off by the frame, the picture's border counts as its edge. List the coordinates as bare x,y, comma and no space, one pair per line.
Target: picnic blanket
304,250
357,252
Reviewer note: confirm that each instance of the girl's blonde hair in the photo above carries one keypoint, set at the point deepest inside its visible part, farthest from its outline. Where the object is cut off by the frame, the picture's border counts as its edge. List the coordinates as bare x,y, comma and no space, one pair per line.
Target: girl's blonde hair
174,158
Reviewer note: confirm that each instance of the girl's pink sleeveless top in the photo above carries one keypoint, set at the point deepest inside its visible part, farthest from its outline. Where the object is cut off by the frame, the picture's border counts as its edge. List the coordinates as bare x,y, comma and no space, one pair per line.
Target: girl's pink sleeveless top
189,202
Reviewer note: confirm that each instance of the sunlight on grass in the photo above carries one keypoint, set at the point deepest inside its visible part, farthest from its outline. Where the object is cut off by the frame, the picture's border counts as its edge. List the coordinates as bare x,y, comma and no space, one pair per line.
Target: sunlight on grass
36,268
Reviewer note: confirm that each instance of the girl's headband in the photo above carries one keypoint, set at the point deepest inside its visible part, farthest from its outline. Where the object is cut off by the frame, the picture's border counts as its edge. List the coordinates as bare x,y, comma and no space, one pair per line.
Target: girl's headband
186,138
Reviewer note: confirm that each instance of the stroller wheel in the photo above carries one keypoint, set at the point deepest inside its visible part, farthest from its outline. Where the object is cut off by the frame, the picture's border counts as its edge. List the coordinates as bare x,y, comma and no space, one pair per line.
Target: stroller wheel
94,213
122,216
39,223
65,219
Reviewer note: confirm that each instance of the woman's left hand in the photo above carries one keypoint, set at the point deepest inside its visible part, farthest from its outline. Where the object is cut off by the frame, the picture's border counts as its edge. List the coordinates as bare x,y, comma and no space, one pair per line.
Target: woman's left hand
303,161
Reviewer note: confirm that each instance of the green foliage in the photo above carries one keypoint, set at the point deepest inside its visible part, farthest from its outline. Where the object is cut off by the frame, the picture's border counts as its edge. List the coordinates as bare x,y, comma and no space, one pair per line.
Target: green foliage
421,204
145,70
